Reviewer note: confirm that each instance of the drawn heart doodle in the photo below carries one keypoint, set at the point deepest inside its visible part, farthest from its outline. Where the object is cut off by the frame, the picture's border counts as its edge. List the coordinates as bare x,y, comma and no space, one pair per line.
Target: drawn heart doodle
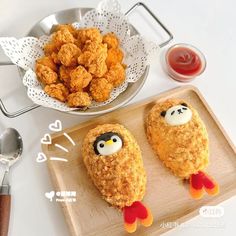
46,139
56,126
41,157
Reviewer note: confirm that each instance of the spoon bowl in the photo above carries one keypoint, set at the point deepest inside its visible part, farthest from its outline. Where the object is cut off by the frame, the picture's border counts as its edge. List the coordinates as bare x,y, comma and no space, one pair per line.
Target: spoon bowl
11,148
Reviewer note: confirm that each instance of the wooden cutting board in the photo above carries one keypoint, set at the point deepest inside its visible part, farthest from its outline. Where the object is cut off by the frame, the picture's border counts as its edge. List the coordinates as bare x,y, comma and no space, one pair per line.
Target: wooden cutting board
166,195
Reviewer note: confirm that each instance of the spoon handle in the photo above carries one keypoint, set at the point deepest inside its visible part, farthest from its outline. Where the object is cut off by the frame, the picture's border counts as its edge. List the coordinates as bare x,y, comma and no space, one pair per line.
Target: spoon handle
5,207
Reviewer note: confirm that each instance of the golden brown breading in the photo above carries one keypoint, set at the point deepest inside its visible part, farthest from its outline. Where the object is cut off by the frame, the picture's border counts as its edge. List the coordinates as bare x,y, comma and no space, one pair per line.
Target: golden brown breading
58,91
50,48
111,40
62,37
100,89
92,34
45,74
64,74
77,56
116,75
93,57
119,177
55,59
182,148
98,69
79,99
79,44
68,54
80,78
69,27
114,56
47,61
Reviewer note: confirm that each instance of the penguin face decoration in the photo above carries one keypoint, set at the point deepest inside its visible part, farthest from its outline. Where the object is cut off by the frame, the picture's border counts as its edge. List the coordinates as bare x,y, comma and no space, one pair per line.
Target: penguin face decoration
108,144
177,115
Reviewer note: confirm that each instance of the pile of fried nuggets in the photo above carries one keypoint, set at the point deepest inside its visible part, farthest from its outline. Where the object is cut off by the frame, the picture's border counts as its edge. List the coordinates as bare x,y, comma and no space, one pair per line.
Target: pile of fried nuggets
80,66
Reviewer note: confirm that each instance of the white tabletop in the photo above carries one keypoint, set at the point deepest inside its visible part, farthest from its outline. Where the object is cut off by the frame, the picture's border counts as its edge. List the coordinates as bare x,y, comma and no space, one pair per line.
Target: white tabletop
209,25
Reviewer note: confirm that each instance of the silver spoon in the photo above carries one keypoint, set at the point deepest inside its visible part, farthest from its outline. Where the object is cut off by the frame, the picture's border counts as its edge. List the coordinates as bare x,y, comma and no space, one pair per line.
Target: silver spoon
11,147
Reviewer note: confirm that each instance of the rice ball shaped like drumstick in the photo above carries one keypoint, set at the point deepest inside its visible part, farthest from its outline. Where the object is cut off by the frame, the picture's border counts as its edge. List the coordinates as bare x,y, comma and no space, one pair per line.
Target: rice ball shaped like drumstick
114,163
179,138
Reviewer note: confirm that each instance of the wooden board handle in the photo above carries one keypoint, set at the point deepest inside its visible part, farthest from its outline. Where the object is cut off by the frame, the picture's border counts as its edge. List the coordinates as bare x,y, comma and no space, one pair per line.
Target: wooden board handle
5,207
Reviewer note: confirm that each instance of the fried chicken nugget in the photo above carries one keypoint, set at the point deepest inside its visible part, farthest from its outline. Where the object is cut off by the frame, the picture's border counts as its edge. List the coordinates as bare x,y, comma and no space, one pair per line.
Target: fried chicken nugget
45,74
50,48
62,37
69,27
115,75
58,91
93,57
92,34
64,74
111,40
100,89
80,78
79,99
114,55
68,54
47,61
55,59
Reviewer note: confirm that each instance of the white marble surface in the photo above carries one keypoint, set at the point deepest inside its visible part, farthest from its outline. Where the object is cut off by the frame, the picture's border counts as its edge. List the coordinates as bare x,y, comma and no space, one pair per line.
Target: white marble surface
209,25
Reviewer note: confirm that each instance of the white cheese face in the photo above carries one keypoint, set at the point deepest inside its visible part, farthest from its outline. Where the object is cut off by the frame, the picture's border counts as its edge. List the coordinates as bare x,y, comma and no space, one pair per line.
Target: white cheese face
178,115
106,148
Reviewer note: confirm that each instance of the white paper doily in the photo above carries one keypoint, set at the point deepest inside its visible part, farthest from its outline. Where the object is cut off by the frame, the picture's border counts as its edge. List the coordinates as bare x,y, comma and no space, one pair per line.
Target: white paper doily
107,17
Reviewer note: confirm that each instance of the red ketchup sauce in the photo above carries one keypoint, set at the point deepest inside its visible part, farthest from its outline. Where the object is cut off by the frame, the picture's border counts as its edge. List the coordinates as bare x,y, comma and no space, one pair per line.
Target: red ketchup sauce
184,61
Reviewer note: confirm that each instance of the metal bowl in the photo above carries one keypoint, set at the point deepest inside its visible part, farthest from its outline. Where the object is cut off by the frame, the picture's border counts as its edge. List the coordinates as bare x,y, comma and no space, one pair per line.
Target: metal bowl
44,26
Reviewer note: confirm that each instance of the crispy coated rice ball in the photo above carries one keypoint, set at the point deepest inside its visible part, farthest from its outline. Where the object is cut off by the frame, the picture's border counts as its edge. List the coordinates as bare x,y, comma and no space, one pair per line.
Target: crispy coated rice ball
100,89
58,91
182,148
120,177
79,99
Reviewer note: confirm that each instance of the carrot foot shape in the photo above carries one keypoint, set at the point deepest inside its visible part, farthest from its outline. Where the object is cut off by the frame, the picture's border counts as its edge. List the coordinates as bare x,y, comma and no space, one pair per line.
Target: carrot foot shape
137,211
201,181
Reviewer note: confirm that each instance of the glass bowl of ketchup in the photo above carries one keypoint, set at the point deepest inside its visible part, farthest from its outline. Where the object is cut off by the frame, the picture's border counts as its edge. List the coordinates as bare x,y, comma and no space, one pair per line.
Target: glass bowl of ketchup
184,62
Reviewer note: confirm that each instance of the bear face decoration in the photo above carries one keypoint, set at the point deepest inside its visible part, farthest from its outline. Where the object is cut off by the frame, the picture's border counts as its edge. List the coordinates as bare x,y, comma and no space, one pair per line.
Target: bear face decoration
177,115
179,138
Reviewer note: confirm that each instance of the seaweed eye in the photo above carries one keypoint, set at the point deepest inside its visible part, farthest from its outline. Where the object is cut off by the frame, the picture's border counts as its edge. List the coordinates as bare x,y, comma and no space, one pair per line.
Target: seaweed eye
172,113
163,113
101,144
184,104
116,138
